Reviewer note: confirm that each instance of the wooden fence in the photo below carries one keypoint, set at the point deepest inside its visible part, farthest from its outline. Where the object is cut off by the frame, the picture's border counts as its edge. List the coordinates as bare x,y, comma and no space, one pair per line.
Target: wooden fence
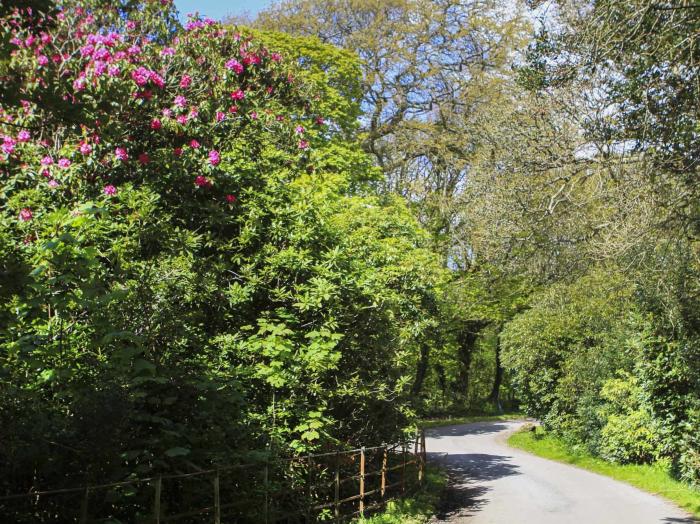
327,487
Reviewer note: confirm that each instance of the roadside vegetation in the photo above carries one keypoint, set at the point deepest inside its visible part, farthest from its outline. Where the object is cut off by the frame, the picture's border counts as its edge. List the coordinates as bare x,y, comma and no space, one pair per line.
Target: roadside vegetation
416,509
655,478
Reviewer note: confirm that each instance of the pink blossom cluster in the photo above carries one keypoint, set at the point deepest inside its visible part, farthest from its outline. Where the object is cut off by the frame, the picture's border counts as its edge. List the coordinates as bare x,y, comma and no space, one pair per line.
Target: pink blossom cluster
180,113
143,76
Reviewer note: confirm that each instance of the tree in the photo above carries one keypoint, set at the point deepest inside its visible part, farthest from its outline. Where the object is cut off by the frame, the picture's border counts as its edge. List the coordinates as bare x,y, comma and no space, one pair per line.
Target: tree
429,69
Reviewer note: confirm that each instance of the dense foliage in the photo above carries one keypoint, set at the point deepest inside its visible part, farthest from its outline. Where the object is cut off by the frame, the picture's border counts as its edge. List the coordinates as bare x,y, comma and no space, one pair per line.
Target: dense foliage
193,268
616,343
559,181
220,243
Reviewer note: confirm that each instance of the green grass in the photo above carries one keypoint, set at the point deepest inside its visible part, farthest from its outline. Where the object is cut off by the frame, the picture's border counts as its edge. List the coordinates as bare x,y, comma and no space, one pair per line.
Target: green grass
652,478
466,419
416,509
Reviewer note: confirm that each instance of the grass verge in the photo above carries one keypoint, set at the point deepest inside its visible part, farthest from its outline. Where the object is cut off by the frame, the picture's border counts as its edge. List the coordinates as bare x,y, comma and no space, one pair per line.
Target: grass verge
416,509
653,478
467,419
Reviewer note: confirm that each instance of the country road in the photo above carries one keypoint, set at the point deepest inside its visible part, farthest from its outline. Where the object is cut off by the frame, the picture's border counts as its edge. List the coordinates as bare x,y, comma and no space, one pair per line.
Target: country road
495,484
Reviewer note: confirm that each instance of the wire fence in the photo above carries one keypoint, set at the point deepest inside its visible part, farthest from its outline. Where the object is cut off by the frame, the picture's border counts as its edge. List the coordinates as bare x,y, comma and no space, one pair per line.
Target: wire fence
327,487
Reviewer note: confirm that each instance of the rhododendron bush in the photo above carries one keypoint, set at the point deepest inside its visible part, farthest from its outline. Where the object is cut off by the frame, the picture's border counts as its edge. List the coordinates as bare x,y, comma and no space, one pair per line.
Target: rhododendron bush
192,266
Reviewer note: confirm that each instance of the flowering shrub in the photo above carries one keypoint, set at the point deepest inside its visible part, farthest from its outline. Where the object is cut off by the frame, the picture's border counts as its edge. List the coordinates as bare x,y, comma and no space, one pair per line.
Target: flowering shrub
183,278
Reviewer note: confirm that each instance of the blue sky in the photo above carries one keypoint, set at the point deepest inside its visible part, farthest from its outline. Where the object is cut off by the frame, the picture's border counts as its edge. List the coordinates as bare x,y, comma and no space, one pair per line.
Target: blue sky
218,9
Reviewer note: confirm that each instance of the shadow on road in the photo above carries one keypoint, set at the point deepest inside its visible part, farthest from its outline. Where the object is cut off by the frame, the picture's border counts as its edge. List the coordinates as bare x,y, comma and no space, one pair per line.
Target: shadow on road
674,520
465,495
478,466
479,428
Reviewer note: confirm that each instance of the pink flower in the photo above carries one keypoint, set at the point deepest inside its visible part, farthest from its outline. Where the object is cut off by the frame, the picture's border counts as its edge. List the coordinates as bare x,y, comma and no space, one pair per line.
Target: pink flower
46,161
235,66
303,144
253,115
185,81
85,148
113,70
251,59
134,50
46,173
102,54
141,76
157,80
53,184
25,215
87,50
177,151
155,124
182,119
180,101
144,159
201,181
230,199
64,163
220,116
8,147
214,157
320,121
233,109
167,112
42,60
299,130
168,51
238,95
110,190
100,68
194,144
276,57
23,136
121,154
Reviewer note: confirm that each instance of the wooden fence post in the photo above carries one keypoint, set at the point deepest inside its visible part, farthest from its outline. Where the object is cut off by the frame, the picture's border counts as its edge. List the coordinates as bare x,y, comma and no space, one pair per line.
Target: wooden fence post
217,499
362,481
403,468
336,505
385,458
156,499
422,458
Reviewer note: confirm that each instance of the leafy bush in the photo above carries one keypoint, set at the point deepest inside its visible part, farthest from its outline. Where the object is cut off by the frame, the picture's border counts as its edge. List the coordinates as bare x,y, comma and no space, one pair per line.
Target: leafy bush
602,371
193,268
630,434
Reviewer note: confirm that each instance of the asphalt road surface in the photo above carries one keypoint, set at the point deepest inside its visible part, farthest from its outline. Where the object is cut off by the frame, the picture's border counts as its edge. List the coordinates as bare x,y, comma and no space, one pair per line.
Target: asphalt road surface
495,484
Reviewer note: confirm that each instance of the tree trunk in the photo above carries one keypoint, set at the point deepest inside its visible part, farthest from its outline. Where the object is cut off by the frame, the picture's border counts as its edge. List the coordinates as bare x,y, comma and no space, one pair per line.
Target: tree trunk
421,370
466,340
495,395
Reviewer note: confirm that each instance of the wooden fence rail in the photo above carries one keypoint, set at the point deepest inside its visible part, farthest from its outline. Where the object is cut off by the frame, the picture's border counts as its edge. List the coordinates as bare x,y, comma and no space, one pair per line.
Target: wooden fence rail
330,487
